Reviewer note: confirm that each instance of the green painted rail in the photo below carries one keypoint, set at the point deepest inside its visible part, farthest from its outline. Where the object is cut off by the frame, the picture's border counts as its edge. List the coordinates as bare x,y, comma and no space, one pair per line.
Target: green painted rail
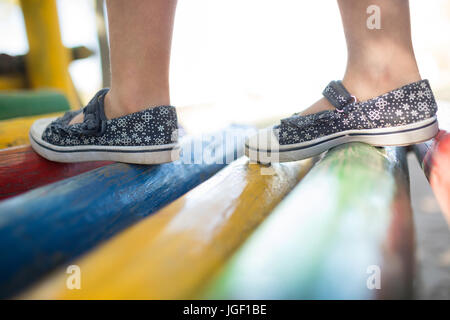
347,225
24,103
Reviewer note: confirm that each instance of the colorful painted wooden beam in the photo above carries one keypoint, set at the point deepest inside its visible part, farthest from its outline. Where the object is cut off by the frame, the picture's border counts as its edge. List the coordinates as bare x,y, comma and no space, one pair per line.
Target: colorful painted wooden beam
48,226
22,169
14,132
26,103
170,254
434,158
343,232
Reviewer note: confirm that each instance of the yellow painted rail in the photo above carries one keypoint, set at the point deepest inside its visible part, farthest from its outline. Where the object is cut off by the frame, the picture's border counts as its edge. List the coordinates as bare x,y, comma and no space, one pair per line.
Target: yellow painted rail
171,254
14,132
12,82
47,60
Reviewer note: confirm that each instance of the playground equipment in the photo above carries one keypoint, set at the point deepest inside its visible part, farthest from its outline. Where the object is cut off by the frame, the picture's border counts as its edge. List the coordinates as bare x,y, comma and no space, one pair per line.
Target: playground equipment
308,247
336,246
170,254
15,104
22,169
38,83
211,225
14,132
52,224
47,62
434,158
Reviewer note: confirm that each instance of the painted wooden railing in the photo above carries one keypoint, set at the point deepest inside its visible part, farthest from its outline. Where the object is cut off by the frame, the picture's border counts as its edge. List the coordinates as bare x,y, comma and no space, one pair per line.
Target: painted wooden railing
50,225
22,169
434,158
344,232
14,132
172,253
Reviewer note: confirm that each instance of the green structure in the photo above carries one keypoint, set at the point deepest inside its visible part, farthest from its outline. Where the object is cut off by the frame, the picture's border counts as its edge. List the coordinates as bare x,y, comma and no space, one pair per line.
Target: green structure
26,103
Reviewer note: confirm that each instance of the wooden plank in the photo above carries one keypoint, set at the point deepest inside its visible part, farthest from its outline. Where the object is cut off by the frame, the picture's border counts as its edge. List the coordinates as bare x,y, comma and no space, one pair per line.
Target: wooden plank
170,254
22,169
434,158
26,103
14,132
48,226
349,216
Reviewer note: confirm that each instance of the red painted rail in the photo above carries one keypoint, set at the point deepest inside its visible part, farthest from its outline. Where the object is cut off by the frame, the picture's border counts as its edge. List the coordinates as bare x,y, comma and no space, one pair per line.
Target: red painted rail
434,157
21,169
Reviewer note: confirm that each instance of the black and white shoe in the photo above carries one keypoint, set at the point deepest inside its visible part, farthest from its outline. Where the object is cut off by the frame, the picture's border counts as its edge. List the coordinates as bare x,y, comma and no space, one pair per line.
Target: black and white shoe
400,117
145,137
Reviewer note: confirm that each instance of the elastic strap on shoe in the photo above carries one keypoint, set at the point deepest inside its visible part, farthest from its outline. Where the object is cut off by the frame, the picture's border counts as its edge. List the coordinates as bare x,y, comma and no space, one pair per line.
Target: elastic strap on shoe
338,95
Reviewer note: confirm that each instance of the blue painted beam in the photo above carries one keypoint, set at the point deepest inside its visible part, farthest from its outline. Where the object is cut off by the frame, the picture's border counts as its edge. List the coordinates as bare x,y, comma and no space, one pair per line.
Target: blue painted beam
51,225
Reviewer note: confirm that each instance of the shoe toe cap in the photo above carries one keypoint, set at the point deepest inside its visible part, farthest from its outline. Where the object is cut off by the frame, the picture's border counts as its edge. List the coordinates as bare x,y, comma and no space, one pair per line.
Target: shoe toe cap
39,126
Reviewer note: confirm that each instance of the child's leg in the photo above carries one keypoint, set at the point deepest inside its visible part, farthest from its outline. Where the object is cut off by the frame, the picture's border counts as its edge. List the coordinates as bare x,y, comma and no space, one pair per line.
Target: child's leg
140,34
132,122
379,60
365,106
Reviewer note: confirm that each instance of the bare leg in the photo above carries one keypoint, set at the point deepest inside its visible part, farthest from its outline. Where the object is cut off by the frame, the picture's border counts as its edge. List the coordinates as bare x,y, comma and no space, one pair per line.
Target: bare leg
378,60
140,34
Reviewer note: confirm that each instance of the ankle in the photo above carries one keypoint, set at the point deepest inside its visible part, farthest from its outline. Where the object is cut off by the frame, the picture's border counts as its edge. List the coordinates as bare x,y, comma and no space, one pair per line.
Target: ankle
367,85
119,104
371,78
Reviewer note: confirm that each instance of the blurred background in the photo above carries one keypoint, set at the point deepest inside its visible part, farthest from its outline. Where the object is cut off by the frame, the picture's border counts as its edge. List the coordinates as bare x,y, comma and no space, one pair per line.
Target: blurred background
249,58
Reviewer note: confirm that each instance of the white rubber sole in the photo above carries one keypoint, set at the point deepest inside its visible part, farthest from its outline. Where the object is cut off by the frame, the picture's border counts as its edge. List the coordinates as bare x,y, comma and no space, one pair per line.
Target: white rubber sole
394,136
129,154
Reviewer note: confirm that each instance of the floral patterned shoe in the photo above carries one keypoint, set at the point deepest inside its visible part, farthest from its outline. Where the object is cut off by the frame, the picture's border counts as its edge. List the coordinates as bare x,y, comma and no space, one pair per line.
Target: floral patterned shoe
403,116
145,137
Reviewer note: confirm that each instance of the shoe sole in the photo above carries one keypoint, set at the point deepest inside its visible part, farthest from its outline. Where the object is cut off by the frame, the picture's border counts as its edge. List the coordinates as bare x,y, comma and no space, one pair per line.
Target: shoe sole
128,154
394,136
